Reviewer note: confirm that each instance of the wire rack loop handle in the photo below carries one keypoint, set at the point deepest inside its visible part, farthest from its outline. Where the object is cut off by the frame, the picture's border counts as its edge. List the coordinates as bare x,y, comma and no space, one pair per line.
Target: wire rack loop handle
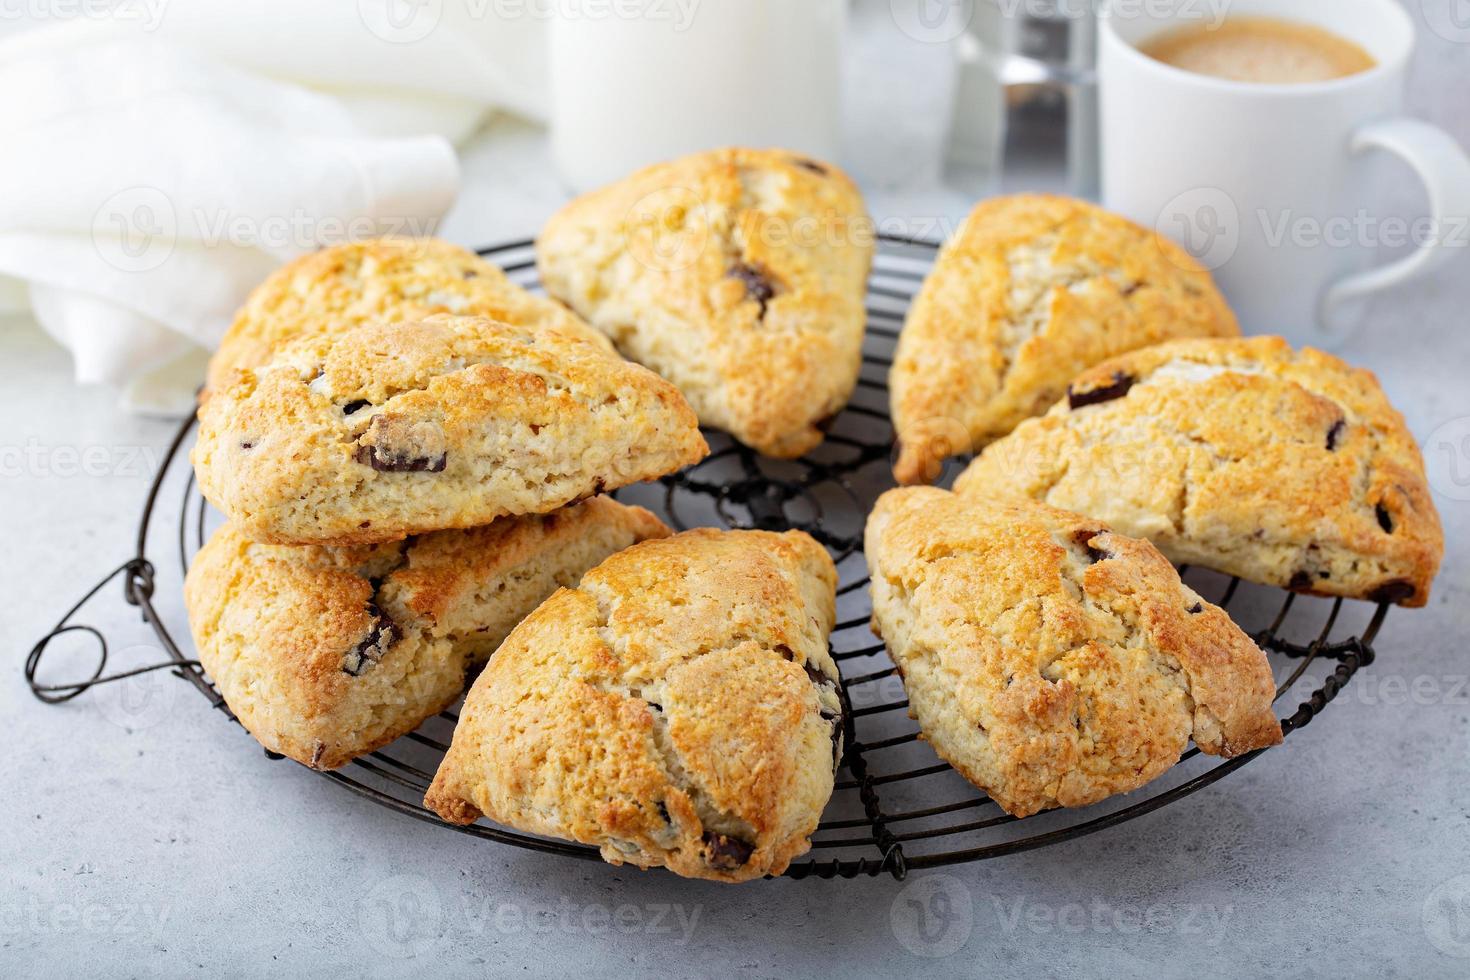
137,589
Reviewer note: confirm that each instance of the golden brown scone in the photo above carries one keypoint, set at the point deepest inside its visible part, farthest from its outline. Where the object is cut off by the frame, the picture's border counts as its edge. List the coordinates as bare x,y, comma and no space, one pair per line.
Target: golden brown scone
381,280
678,708
1050,660
450,422
1286,468
325,654
737,274
1032,290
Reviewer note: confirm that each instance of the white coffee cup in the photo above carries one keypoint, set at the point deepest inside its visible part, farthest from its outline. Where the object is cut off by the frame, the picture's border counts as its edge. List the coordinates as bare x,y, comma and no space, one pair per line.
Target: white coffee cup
1269,184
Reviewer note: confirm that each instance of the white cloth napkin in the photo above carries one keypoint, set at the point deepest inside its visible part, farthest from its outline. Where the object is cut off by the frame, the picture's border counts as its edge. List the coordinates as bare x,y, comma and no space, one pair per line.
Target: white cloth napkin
156,167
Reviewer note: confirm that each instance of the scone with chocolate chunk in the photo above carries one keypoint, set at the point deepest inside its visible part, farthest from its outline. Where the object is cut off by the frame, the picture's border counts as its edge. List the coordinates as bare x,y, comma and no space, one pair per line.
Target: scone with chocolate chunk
394,429
375,281
678,708
1050,660
1032,290
737,274
1282,467
325,654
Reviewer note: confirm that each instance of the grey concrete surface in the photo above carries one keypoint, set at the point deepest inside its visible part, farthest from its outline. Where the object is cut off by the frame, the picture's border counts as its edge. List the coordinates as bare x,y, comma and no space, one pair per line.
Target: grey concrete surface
140,835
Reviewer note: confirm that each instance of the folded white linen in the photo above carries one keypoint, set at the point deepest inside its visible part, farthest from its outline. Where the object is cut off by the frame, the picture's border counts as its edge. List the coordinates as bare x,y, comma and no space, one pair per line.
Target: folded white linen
160,161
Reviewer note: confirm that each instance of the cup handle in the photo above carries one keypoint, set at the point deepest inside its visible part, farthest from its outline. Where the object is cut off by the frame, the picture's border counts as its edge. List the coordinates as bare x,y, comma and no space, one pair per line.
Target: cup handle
1445,170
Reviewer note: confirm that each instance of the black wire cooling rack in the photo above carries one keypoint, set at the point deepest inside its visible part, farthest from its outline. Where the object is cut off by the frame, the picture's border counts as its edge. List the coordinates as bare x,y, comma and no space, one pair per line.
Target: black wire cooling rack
896,805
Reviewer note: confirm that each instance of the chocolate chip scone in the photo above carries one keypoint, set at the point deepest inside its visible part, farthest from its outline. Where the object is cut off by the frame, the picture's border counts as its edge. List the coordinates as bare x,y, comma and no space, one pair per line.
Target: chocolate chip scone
325,654
1285,468
379,280
678,708
1050,660
737,274
450,422
1031,291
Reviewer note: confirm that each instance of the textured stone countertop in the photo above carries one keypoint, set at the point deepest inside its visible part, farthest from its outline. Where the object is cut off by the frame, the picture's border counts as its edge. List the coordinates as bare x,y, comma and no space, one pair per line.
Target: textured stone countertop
144,836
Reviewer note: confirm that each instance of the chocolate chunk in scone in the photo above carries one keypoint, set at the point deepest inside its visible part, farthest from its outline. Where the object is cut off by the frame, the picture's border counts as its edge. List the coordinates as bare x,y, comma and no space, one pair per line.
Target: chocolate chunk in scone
758,285
724,853
400,444
1115,387
381,635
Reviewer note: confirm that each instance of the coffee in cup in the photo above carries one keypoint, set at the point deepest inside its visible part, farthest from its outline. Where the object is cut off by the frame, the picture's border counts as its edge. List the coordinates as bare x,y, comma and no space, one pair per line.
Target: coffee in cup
1259,49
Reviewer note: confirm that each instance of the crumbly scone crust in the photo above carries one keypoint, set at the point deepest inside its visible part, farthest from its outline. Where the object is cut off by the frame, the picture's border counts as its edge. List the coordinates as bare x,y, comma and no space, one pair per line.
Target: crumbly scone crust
1282,467
737,274
380,280
1051,661
450,422
678,708
325,654
1031,291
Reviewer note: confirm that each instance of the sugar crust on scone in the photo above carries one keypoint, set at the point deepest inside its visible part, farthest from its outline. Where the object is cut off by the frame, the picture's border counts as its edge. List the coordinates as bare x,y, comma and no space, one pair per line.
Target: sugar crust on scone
379,280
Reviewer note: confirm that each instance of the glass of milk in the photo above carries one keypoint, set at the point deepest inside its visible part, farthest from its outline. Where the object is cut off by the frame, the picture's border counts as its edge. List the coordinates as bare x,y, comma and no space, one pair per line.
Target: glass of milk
634,82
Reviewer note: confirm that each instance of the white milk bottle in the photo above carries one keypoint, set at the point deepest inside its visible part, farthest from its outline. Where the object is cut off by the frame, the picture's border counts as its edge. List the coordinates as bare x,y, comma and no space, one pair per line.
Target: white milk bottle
634,82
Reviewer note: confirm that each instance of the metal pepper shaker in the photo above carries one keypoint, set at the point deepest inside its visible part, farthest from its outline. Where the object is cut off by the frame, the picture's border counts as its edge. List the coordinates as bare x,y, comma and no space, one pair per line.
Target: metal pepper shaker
1025,109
